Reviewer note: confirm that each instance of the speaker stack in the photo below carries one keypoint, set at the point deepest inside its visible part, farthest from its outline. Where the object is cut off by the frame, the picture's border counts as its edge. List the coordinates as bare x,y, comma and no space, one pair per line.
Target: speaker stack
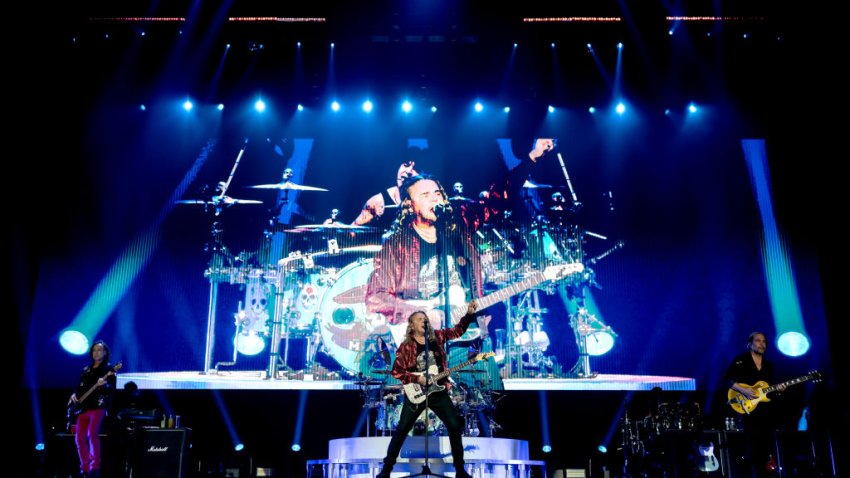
159,453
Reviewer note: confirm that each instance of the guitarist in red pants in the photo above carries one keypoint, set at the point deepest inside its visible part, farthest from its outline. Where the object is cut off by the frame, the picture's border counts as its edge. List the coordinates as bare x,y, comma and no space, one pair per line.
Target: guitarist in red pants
88,405
760,424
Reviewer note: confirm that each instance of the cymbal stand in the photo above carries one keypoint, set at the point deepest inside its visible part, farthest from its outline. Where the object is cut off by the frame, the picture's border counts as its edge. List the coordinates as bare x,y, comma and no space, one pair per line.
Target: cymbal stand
281,311
582,323
527,310
218,255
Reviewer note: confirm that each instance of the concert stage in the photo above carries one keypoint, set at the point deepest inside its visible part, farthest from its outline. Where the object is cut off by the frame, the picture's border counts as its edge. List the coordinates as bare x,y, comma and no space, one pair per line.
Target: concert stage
255,380
485,457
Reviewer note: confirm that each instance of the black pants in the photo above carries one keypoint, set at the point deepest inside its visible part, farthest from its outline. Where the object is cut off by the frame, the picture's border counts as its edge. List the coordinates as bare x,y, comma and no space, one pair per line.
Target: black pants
442,406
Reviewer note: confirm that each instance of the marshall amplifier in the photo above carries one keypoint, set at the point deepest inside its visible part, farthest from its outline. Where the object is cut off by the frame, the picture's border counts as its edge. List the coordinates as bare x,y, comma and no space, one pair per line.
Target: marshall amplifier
160,453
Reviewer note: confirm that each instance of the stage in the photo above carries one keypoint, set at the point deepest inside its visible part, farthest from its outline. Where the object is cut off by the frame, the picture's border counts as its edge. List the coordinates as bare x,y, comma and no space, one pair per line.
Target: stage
255,380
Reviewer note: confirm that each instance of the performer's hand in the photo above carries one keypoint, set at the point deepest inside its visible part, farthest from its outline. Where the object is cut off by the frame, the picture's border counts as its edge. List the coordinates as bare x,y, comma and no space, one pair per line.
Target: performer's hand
73,398
421,380
541,147
101,381
471,307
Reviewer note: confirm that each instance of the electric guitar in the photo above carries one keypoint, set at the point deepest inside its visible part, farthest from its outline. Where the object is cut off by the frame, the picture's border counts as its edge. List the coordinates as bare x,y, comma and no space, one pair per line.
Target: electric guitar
706,461
459,306
741,404
416,393
75,409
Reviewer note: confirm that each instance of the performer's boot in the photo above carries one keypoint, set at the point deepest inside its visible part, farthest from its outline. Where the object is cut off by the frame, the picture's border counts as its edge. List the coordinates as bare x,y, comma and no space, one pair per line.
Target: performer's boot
460,472
386,469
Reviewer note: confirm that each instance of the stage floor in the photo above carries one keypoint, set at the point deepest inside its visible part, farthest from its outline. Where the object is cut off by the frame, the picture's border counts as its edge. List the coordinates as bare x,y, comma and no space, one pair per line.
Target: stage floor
255,380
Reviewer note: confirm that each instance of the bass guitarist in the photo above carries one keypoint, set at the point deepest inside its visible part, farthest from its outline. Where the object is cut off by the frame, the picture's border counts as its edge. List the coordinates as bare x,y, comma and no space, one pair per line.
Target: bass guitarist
97,383
759,425
409,366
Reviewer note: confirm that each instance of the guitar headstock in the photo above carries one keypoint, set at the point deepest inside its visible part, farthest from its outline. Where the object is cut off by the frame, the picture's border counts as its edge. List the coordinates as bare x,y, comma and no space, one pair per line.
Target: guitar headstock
116,368
815,376
559,271
484,356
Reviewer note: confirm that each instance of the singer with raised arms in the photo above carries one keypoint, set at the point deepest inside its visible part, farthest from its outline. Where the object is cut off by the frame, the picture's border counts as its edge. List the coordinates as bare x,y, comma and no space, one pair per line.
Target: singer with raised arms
422,354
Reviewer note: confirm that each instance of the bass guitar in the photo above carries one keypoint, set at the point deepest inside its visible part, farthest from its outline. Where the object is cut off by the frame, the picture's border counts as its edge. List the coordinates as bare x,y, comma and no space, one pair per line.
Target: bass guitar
741,404
458,303
416,393
75,409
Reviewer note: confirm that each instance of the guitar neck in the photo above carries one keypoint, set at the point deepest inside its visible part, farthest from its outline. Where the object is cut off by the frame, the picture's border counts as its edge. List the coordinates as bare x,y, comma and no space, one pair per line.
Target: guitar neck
446,373
794,381
502,294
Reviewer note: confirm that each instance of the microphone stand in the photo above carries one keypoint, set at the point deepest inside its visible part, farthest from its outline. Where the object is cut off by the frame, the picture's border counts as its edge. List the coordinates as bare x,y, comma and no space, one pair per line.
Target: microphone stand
444,279
426,468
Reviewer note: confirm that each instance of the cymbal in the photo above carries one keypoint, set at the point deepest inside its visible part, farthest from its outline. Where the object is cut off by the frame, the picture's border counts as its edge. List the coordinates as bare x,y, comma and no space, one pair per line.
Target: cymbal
226,201
366,383
335,225
289,185
366,248
381,372
532,185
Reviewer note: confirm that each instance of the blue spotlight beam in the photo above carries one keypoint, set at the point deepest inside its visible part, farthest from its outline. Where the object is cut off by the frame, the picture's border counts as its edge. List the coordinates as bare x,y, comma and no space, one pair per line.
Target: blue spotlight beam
792,338
114,285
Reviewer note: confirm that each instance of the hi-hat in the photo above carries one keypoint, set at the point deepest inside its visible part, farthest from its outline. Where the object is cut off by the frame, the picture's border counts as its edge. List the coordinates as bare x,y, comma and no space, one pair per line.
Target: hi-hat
219,201
288,185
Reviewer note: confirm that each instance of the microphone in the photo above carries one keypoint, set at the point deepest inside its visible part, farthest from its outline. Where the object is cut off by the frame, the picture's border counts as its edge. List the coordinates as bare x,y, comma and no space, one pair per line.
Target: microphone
442,210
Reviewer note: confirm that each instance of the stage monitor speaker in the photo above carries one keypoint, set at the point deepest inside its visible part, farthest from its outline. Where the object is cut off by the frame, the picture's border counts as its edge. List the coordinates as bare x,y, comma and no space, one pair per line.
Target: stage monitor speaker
160,453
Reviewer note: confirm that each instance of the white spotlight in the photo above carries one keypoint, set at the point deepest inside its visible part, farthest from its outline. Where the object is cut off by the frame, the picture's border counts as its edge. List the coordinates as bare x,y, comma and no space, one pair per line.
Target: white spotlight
74,341
406,107
507,109
187,105
478,107
335,106
692,108
621,108
220,106
592,110
367,106
300,107
433,109
260,106
551,109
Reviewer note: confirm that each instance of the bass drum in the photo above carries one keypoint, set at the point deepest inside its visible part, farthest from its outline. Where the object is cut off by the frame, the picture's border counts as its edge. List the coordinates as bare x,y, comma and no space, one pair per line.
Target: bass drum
349,331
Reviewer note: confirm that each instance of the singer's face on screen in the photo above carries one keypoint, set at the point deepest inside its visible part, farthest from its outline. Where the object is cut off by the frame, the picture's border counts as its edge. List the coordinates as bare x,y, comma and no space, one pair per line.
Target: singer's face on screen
424,195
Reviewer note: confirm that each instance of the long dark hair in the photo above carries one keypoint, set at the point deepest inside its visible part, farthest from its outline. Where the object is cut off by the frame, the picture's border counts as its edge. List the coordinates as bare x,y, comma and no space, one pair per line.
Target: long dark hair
105,349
